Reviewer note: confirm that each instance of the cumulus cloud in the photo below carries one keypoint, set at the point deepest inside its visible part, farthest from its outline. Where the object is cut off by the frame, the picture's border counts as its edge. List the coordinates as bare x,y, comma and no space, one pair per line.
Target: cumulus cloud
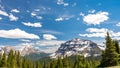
102,35
102,30
13,18
97,18
61,2
49,42
118,24
15,10
96,32
51,45
17,33
37,24
3,13
49,37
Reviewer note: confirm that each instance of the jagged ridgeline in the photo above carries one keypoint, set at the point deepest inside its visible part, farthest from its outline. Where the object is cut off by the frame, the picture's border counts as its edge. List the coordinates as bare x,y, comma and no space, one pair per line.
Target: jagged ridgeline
78,46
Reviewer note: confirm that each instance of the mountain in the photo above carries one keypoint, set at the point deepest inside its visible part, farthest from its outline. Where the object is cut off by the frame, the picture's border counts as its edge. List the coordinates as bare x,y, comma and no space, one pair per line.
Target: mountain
77,46
25,49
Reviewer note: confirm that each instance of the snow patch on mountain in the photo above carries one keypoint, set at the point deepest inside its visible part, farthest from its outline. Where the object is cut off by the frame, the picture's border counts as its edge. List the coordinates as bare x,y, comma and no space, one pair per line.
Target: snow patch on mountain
77,46
24,49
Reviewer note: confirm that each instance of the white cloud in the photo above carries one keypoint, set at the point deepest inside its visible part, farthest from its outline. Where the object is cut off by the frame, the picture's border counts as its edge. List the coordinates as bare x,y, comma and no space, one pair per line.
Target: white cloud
17,33
33,14
118,24
3,13
61,2
50,49
82,14
59,19
51,45
64,17
13,18
91,11
49,42
37,24
25,40
49,37
102,35
39,17
0,18
15,10
96,32
97,18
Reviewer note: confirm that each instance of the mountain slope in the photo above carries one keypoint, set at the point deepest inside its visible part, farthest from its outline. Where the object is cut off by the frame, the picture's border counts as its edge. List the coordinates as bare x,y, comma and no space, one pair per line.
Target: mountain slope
25,49
77,46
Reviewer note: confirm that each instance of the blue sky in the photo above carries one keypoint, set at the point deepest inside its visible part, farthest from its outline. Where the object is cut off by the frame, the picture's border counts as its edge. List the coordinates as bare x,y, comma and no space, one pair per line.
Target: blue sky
57,20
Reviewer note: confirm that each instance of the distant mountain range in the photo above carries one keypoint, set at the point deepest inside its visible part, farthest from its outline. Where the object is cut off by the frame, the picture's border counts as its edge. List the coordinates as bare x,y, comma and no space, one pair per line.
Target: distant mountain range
75,46
23,49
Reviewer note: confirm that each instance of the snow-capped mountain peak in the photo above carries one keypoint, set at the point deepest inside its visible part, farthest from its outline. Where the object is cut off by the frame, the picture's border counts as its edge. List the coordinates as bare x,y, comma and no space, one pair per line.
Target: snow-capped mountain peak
77,46
24,49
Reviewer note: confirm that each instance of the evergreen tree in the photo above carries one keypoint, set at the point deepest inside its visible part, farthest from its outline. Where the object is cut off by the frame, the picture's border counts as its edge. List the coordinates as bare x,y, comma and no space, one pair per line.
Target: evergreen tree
110,56
44,64
0,59
59,63
53,64
116,44
38,64
3,61
66,62
10,59
19,61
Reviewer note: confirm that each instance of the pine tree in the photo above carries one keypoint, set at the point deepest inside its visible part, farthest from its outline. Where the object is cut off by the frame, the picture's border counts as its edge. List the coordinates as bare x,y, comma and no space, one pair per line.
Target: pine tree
10,59
116,44
53,64
38,64
110,56
67,63
19,61
59,63
44,64
3,61
0,59
24,63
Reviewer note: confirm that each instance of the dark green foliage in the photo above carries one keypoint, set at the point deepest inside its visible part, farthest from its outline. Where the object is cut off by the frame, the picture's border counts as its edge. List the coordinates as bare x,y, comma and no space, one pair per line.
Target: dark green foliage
110,56
116,44
3,61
